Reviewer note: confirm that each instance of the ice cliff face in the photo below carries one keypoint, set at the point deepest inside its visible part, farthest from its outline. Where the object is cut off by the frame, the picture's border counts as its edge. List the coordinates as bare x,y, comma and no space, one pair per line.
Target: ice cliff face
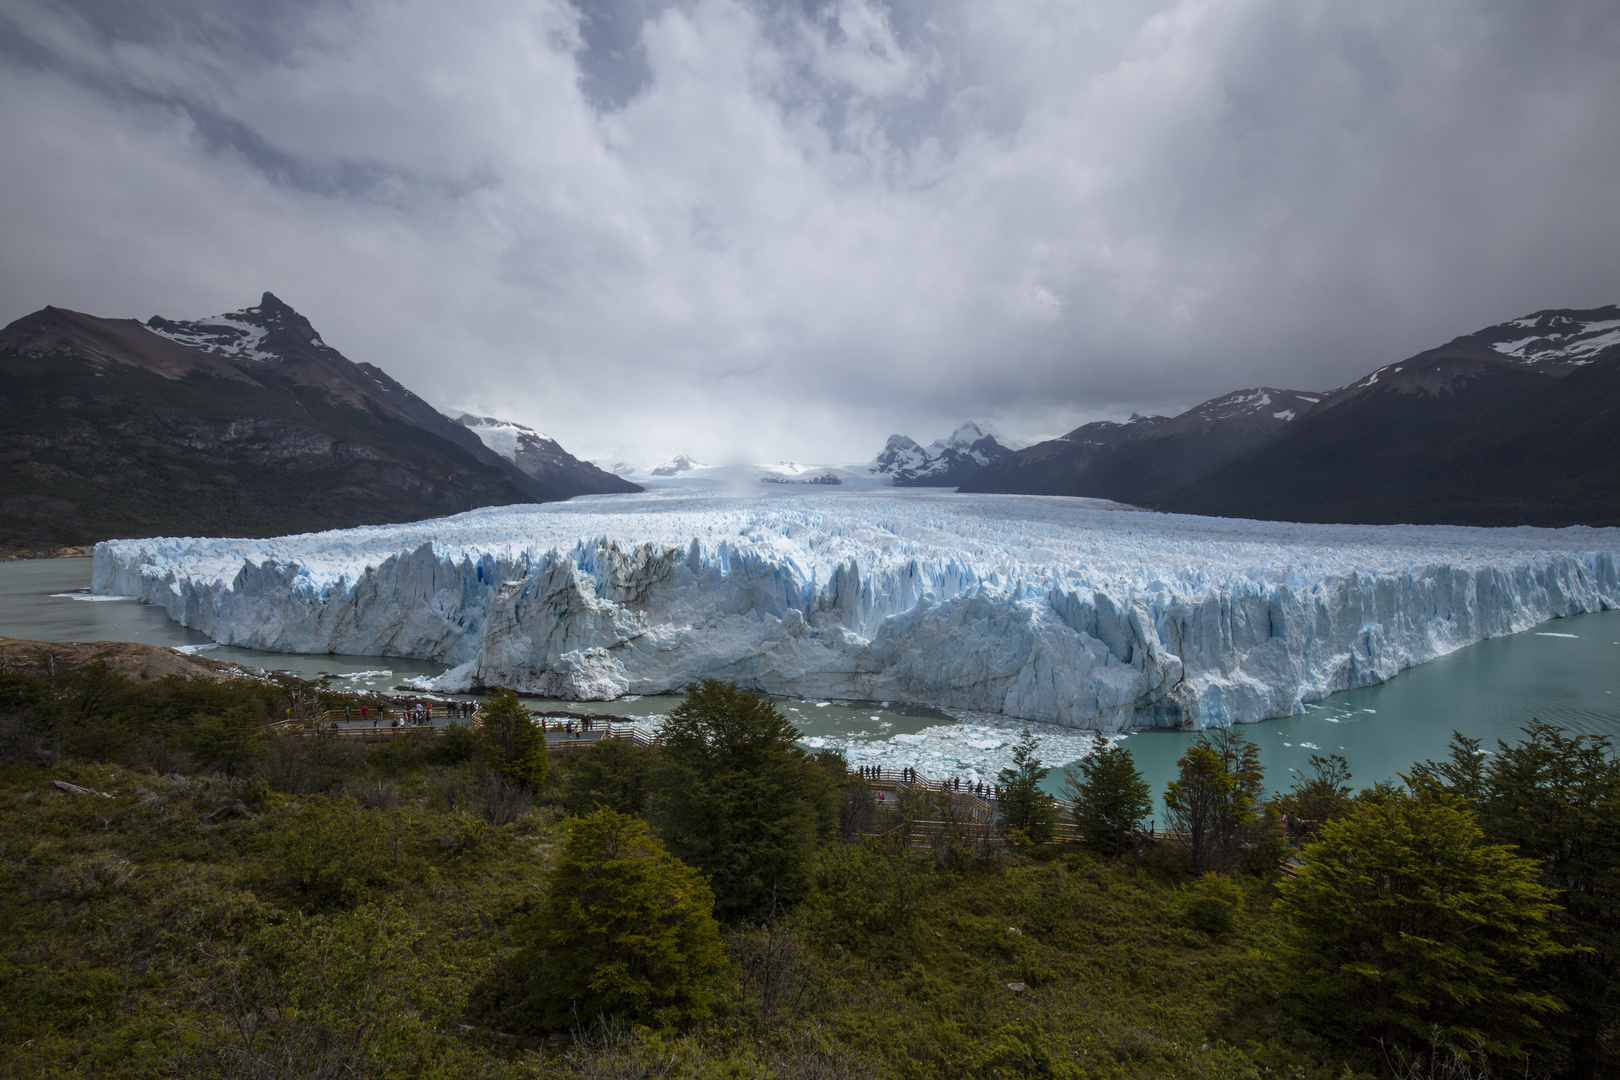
1063,611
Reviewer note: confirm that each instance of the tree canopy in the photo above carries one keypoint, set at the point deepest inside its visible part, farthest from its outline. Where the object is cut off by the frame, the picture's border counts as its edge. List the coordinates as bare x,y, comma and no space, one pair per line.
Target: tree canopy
1404,921
1028,813
1107,795
740,800
516,745
627,930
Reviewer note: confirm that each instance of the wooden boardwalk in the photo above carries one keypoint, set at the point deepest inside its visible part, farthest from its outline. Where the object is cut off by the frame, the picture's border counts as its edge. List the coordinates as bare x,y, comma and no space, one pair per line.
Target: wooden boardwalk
381,725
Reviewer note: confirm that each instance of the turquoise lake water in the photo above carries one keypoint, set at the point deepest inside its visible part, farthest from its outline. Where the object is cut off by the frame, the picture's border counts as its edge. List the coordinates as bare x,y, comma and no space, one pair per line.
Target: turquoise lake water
1566,672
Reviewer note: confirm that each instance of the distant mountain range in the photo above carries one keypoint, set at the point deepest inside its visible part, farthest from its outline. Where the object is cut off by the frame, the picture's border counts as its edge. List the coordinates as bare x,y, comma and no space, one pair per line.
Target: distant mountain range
1517,424
1124,462
943,463
247,424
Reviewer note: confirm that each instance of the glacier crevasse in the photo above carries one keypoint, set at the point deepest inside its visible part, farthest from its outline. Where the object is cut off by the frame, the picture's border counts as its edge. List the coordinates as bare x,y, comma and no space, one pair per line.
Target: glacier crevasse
1058,610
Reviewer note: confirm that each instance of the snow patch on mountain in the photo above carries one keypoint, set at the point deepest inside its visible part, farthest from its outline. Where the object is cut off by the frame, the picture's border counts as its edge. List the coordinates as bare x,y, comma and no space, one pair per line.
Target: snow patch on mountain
1555,339
1066,611
238,335
505,437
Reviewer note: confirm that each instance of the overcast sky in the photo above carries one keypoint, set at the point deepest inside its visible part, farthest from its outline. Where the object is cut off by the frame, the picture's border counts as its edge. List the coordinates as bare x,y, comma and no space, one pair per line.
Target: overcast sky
785,230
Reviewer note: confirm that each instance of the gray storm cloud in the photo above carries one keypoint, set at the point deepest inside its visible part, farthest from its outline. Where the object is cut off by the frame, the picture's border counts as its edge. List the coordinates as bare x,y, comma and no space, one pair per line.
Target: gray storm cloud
739,228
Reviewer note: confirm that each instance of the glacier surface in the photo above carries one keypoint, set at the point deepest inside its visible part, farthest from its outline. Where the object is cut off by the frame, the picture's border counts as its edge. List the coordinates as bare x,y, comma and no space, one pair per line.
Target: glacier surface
1066,611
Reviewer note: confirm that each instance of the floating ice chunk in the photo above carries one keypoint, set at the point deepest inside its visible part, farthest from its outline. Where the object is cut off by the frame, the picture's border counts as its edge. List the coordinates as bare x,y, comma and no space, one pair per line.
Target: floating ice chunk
458,680
1549,633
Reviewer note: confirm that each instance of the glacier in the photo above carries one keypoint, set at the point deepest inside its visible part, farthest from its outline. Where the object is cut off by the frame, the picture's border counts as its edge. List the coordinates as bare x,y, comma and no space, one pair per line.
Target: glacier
1067,611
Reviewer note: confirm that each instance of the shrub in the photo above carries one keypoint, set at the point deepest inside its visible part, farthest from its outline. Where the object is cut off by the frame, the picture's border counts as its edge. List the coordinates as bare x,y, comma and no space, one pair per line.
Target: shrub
1212,904
627,930
333,857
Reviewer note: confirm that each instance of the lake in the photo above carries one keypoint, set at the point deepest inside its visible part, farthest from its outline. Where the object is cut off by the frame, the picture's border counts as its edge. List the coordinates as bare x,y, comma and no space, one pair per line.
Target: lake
1566,672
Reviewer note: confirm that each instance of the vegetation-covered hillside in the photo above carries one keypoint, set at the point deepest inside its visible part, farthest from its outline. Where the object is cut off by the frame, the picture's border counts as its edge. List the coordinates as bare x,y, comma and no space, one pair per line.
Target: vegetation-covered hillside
183,892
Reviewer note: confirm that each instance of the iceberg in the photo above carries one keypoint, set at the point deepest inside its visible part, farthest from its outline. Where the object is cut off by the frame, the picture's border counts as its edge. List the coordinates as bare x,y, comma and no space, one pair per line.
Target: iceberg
1066,611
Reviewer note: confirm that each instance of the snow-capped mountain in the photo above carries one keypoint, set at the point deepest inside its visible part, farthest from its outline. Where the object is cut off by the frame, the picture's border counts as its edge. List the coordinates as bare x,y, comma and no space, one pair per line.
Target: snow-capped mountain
543,458
1125,461
1516,424
247,423
943,463
1052,610
1554,339
676,465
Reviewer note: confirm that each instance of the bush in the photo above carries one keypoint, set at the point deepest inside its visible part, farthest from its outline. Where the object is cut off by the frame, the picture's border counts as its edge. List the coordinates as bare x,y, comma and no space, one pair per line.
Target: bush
1406,926
616,774
627,931
1212,904
334,856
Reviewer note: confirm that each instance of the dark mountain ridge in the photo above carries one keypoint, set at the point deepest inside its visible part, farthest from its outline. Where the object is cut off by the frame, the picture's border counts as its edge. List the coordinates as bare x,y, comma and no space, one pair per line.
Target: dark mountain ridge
245,425
1125,461
1517,424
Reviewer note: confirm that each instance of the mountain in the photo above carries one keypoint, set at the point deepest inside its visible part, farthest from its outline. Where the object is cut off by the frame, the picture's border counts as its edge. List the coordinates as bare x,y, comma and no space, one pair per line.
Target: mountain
1517,424
1125,461
943,463
676,465
246,424
542,458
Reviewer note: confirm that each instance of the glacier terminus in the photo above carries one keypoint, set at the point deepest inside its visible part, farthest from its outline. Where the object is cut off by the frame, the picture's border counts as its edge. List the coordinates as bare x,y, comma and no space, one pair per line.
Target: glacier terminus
1068,611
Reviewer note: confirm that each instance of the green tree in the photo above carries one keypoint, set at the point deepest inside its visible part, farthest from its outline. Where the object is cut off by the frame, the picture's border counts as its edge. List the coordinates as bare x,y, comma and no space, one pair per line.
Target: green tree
514,742
1214,801
740,800
1028,814
230,741
1107,796
1556,797
627,930
614,773
1403,922
1318,797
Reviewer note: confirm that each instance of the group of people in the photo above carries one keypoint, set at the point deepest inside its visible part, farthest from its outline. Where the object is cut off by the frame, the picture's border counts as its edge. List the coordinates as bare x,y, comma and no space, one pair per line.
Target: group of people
908,775
573,728
420,714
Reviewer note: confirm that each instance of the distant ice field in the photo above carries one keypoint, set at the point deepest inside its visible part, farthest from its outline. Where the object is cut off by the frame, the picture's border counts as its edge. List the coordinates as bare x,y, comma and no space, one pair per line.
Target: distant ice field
1067,611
